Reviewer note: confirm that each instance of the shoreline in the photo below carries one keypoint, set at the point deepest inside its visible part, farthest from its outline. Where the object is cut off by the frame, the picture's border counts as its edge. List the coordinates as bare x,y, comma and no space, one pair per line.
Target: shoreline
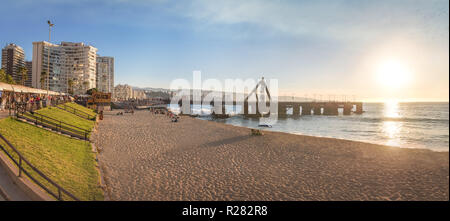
210,160
318,136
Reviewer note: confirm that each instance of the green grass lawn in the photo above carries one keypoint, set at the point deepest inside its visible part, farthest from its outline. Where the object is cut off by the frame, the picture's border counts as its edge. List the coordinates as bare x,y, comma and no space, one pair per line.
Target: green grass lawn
81,108
67,161
67,117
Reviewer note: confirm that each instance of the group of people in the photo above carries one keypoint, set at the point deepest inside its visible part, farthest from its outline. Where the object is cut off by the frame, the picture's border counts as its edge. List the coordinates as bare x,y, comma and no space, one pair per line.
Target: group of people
127,110
166,112
32,102
172,116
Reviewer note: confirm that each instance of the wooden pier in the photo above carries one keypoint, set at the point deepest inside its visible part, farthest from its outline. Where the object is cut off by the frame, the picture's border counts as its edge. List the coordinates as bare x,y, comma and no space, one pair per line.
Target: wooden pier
299,108
329,108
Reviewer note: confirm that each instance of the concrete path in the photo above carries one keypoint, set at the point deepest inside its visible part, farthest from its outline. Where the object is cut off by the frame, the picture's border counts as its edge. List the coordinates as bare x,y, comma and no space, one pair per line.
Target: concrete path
8,189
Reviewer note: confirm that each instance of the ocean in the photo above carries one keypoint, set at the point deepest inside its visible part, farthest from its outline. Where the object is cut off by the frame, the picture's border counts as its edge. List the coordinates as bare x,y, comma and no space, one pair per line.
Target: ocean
408,125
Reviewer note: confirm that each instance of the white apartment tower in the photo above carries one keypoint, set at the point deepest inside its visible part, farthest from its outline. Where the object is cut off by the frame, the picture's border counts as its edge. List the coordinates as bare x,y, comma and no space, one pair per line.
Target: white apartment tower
105,74
68,62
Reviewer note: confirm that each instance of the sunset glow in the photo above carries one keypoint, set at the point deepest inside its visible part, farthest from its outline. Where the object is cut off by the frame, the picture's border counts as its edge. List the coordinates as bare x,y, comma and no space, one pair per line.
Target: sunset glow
394,74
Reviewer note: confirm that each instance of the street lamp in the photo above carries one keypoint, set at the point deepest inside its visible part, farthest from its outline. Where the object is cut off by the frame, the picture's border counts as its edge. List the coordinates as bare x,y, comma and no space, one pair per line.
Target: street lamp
50,25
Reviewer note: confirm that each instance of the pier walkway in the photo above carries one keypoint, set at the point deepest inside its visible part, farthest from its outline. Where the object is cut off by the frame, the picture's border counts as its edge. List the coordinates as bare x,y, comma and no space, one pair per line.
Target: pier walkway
250,108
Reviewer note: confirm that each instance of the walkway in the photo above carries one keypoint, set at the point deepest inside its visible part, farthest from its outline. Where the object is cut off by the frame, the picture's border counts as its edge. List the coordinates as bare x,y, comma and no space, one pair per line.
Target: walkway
8,189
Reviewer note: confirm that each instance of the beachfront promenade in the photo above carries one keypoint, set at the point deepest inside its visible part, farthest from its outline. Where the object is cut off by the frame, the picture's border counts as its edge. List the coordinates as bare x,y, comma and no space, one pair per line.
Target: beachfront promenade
147,157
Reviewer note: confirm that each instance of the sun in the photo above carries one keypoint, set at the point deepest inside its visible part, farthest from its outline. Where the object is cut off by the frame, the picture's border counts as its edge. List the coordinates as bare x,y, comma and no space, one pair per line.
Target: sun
393,74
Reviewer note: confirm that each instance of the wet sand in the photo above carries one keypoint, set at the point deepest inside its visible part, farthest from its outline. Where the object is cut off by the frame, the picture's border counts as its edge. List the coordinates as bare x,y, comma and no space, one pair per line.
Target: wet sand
147,157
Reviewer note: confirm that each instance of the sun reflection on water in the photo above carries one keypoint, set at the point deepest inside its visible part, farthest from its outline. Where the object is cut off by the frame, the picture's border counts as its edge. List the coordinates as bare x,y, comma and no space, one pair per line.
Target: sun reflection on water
391,109
391,128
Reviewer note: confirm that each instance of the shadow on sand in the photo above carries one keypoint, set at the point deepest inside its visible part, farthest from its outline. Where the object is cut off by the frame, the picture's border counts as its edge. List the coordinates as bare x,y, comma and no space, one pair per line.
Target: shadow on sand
227,141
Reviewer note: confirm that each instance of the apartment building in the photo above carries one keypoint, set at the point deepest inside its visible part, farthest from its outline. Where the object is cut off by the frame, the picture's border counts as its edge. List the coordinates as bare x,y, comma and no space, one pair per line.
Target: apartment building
123,92
105,74
139,94
29,67
13,58
66,62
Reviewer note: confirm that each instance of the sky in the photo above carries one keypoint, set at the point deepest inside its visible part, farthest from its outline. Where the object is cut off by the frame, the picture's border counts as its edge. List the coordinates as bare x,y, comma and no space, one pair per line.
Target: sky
314,48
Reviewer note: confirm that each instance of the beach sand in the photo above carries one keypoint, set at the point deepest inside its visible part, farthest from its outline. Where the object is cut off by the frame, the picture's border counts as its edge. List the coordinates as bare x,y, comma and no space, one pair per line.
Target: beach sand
147,157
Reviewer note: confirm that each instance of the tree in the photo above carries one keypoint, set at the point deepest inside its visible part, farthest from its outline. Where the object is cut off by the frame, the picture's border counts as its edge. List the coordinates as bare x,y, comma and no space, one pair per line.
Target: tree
2,76
70,84
9,79
43,79
6,78
91,91
86,85
23,75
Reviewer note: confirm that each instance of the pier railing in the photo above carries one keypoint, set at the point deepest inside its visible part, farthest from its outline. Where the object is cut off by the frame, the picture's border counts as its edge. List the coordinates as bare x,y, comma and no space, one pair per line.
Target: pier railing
25,167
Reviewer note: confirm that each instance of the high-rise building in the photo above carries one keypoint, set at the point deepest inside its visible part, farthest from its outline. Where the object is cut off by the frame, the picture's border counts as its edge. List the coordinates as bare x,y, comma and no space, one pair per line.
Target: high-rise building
105,74
13,58
66,62
29,67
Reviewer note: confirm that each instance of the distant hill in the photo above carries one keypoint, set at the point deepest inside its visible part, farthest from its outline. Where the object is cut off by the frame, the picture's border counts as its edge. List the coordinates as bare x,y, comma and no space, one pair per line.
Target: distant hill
165,93
150,89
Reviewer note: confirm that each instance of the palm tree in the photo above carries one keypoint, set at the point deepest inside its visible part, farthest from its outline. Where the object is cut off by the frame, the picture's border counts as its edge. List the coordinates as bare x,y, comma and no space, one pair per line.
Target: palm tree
2,76
70,83
9,79
86,85
43,79
23,75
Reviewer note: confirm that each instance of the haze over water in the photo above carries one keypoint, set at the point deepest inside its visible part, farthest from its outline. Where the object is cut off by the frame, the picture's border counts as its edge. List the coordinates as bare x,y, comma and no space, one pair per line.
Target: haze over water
410,125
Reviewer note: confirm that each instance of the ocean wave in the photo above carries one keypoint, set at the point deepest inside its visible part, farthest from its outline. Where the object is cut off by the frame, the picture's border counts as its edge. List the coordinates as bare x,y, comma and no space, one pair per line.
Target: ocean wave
401,119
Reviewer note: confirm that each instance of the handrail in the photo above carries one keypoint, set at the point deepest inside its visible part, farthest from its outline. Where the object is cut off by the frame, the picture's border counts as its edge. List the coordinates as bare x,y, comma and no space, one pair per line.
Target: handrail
65,106
59,127
60,122
42,119
61,190
74,110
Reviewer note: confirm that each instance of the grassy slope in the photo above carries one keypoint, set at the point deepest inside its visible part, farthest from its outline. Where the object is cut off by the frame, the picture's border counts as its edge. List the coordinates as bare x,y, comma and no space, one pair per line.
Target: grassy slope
82,108
67,117
69,162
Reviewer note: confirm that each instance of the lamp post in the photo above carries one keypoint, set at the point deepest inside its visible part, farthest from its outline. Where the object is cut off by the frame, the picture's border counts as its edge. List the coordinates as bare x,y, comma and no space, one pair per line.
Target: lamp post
50,25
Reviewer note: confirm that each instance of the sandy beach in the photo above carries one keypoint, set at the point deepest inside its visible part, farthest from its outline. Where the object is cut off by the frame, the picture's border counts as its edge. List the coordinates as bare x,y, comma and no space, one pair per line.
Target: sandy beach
147,157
